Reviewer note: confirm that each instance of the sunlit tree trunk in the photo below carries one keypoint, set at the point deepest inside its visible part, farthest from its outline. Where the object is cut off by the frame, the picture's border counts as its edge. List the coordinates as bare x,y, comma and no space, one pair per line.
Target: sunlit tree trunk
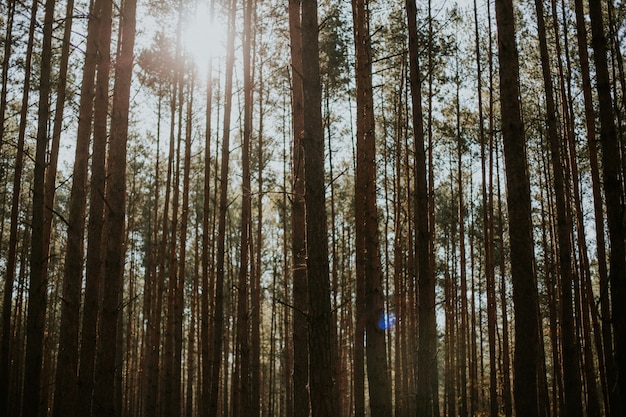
104,390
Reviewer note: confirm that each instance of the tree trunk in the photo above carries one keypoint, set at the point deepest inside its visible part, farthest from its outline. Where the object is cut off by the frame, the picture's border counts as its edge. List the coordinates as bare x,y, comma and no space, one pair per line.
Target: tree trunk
37,293
520,225
613,191
368,267
427,399
324,394
301,405
571,372
104,390
11,261
218,331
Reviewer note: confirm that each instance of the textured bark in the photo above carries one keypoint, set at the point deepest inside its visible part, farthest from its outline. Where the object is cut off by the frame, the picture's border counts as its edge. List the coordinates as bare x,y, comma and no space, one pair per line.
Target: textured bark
323,390
520,225
368,266
300,376
97,57
106,364
427,397
33,396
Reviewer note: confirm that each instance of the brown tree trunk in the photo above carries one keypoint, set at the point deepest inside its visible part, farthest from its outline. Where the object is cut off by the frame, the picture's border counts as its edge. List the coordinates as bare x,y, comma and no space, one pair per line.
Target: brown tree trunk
206,218
572,390
368,267
613,191
300,375
520,225
11,261
241,380
33,403
324,394
218,331
104,390
427,399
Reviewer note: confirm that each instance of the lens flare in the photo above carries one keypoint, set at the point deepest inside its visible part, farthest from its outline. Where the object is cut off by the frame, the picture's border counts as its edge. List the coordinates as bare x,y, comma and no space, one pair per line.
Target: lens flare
387,321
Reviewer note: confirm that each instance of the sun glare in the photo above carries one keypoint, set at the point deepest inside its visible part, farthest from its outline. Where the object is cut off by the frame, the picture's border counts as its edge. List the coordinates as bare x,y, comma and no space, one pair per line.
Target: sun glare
204,39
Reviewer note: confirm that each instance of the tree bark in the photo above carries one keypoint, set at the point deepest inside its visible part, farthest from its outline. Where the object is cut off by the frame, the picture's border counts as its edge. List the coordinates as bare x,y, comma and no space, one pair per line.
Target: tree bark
218,331
368,266
300,376
33,397
427,399
613,192
104,390
324,394
520,225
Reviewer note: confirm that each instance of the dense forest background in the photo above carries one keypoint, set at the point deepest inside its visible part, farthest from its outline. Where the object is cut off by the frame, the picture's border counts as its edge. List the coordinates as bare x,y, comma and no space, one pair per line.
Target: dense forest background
294,208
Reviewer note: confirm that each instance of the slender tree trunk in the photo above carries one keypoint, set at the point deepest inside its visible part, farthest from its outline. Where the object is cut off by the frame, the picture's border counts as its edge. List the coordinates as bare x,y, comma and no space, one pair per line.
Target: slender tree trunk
613,191
37,292
206,288
241,381
324,393
206,271
427,400
7,298
97,57
571,372
104,390
218,332
369,273
11,261
520,225
301,405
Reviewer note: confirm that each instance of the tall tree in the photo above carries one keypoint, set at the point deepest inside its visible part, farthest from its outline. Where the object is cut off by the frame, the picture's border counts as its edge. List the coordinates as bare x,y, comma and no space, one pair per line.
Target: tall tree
525,296
368,266
104,392
37,293
613,193
218,328
571,371
11,257
427,397
324,394
300,374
